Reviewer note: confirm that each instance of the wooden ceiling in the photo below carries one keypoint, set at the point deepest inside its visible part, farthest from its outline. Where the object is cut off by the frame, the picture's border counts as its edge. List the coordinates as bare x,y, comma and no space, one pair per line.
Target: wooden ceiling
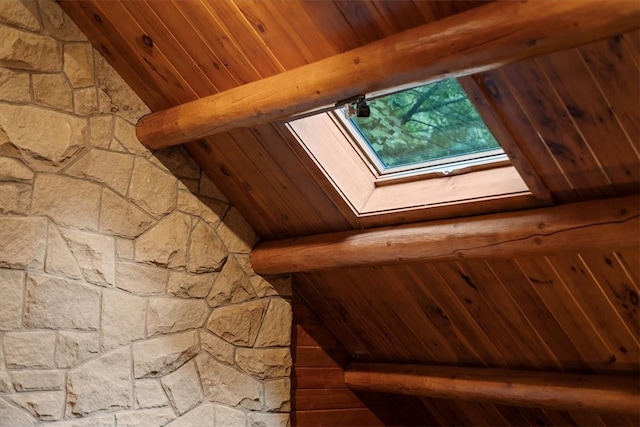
574,116
193,49
572,313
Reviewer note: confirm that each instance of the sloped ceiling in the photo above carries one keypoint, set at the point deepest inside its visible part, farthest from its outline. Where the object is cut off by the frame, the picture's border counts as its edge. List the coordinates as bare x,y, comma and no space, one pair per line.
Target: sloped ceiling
191,49
574,114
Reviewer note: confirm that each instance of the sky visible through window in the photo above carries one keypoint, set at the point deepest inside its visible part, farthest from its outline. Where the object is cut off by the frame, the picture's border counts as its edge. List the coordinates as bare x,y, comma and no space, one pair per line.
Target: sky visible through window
424,124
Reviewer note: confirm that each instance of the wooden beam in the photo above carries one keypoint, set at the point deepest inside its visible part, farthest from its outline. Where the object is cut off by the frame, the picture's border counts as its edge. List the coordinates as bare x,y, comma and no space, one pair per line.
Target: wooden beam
602,224
483,38
552,390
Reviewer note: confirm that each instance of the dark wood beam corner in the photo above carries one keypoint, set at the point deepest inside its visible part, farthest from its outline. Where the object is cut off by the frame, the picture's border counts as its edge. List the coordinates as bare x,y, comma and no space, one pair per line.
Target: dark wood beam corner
477,40
597,393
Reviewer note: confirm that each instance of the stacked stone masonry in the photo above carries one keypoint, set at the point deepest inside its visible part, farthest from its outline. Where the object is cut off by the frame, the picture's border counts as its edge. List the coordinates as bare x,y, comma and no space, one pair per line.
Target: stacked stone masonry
126,293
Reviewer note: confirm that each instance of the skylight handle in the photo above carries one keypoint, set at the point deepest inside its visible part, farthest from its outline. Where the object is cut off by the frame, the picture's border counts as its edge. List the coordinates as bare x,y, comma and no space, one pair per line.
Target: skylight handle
356,106
362,109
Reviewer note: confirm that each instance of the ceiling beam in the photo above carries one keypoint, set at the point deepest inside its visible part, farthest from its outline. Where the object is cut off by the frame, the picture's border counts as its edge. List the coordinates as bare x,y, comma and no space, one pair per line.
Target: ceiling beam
483,38
549,390
609,224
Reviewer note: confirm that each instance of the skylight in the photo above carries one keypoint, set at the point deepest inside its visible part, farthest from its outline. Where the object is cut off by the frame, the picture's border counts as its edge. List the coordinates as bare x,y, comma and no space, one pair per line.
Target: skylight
423,153
433,127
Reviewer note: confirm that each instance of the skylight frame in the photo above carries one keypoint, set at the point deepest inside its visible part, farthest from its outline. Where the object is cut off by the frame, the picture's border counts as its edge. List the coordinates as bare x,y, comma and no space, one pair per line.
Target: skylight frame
439,167
332,154
447,104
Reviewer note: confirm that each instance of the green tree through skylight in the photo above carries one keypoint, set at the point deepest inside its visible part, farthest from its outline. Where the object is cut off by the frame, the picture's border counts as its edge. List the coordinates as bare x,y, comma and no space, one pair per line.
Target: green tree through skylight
429,122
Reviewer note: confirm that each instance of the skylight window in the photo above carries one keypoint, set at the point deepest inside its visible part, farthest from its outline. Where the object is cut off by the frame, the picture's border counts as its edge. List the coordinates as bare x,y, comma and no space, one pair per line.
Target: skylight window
423,153
433,127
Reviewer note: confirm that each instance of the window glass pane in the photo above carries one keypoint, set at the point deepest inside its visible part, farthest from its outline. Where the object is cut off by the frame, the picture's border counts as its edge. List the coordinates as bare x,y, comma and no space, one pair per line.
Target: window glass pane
426,123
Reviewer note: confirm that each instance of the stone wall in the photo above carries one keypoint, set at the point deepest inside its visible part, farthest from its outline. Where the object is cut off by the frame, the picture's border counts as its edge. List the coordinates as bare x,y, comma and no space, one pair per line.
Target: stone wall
126,293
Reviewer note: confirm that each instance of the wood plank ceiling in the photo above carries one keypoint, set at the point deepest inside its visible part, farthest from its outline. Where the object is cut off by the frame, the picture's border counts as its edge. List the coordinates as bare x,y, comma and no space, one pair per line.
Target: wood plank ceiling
574,114
201,48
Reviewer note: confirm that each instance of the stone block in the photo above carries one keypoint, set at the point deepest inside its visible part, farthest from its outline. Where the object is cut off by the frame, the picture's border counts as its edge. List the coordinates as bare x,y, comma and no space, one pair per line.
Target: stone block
231,286
156,417
149,394
11,290
14,85
6,386
230,417
152,189
116,146
209,189
29,349
223,384
141,279
78,64
57,23
59,260
119,217
15,198
187,184
167,315
22,242
257,419
20,13
123,319
188,285
12,416
206,251
201,416
105,167
38,380
183,388
272,285
159,356
209,210
27,51
166,242
100,384
46,139
101,131
5,381
125,133
262,287
13,170
94,254
277,395
236,233
117,97
85,101
217,347
106,420
44,405
77,208
244,261
53,303
52,90
276,325
265,363
124,250
283,284
238,323
7,148
75,347
178,161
